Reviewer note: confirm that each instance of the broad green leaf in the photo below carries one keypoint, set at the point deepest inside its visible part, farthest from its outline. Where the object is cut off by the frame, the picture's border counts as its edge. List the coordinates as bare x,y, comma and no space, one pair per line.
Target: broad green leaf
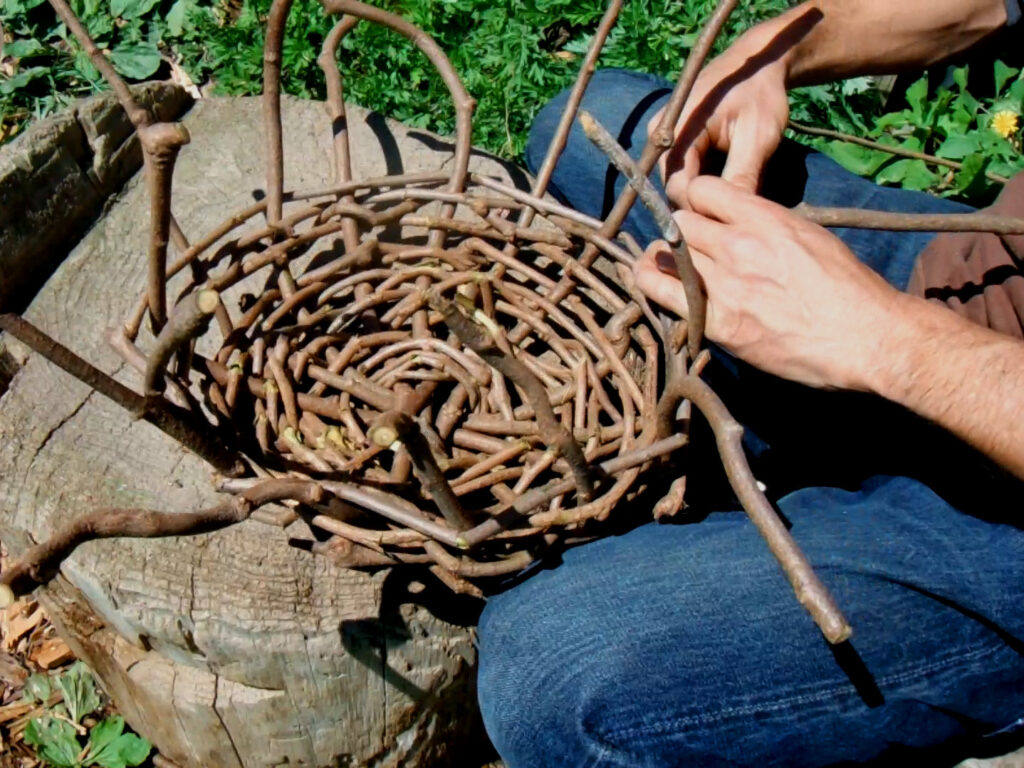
135,60
110,747
958,146
893,120
54,740
79,691
860,160
970,180
104,733
22,49
131,9
20,80
177,16
917,95
37,688
1016,95
1003,74
919,177
12,7
894,173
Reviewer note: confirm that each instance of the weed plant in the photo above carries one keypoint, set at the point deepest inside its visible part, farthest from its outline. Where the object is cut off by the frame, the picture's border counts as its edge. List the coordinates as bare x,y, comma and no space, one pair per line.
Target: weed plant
513,55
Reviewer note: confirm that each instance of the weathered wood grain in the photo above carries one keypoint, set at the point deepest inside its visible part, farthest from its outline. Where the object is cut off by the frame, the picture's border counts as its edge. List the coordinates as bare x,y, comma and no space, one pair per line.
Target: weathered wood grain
232,649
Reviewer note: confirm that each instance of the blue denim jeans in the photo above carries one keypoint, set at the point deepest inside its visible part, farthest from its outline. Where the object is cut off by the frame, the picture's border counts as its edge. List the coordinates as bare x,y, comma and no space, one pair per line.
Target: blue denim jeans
682,644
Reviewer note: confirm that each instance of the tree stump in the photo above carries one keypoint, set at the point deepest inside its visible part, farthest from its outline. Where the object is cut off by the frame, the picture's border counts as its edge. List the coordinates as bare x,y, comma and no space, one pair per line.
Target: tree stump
239,648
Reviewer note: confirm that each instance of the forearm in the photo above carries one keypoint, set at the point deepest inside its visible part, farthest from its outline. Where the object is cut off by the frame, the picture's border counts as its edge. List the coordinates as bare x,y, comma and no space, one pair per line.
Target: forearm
966,378
861,37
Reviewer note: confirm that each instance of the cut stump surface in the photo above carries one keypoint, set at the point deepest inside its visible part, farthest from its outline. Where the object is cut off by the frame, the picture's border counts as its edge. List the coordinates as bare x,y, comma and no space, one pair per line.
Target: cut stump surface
233,649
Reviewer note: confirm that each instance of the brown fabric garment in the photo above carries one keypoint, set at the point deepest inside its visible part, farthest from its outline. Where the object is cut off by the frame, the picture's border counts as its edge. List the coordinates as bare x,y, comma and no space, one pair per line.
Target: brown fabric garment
978,275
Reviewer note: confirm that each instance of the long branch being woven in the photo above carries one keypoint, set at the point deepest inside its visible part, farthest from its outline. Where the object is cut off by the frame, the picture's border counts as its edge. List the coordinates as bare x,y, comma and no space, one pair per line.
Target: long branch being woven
462,396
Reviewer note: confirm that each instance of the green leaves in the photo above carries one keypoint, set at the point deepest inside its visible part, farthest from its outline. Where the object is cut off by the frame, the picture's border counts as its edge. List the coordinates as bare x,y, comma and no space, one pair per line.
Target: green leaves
135,60
131,9
56,735
55,741
1003,74
948,122
20,80
110,747
79,691
23,49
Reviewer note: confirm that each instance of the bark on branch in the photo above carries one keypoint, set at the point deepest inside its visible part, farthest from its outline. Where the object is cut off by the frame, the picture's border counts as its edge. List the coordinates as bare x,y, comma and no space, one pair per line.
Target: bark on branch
40,563
395,426
173,421
810,592
552,433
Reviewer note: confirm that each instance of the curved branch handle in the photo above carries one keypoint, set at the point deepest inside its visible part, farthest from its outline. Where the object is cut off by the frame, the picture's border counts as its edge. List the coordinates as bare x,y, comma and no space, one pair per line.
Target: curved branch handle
272,92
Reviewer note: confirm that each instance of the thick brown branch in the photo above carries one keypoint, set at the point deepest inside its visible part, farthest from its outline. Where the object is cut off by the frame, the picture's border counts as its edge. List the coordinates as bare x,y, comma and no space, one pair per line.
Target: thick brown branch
552,433
812,594
561,135
696,302
40,563
460,97
395,426
161,143
191,318
173,421
272,107
662,138
327,60
857,218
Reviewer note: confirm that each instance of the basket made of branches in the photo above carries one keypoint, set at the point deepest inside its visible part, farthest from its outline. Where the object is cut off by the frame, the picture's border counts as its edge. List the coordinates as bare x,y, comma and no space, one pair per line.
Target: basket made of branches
434,368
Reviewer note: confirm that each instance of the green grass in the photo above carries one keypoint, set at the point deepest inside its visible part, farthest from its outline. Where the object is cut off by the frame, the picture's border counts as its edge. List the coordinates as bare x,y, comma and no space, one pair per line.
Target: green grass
512,55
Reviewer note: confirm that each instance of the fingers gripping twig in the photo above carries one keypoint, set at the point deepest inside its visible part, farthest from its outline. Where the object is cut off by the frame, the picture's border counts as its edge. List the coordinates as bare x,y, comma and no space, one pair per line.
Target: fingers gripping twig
696,302
40,563
551,430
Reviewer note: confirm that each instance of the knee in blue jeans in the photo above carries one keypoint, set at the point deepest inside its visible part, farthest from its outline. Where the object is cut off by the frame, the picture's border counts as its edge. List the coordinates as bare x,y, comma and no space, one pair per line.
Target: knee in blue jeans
611,96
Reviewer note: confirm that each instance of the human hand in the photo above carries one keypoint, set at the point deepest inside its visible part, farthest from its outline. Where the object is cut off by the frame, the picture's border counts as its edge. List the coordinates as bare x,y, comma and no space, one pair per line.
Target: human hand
783,294
738,106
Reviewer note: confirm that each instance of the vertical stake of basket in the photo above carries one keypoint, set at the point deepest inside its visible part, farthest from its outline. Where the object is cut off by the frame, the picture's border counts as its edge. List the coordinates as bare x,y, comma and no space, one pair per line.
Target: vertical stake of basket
160,145
272,107
339,120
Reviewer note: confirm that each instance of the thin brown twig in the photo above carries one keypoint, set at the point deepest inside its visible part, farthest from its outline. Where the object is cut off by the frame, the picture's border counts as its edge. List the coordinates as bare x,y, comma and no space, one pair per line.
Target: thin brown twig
190,318
859,218
828,133
38,565
171,420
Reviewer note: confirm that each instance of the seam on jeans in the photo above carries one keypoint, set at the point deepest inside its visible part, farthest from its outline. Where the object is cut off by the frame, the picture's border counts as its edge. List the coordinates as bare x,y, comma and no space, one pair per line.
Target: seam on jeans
806,698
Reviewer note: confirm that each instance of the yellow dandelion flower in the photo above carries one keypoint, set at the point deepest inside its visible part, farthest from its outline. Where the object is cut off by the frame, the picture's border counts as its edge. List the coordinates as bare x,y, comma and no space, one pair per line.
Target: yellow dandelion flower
1005,123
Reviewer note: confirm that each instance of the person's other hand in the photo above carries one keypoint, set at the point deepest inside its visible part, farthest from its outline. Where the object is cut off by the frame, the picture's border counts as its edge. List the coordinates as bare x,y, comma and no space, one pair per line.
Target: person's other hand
738,106
783,294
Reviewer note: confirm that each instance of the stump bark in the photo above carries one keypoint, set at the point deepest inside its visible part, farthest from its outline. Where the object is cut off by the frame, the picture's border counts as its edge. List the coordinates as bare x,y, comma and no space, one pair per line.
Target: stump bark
239,648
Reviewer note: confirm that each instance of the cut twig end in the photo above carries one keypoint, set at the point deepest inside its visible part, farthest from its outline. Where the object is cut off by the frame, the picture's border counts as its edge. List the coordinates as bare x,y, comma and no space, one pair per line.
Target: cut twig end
7,597
207,301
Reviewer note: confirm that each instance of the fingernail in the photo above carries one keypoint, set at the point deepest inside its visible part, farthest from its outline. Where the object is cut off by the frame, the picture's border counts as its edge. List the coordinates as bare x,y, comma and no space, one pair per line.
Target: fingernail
665,263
